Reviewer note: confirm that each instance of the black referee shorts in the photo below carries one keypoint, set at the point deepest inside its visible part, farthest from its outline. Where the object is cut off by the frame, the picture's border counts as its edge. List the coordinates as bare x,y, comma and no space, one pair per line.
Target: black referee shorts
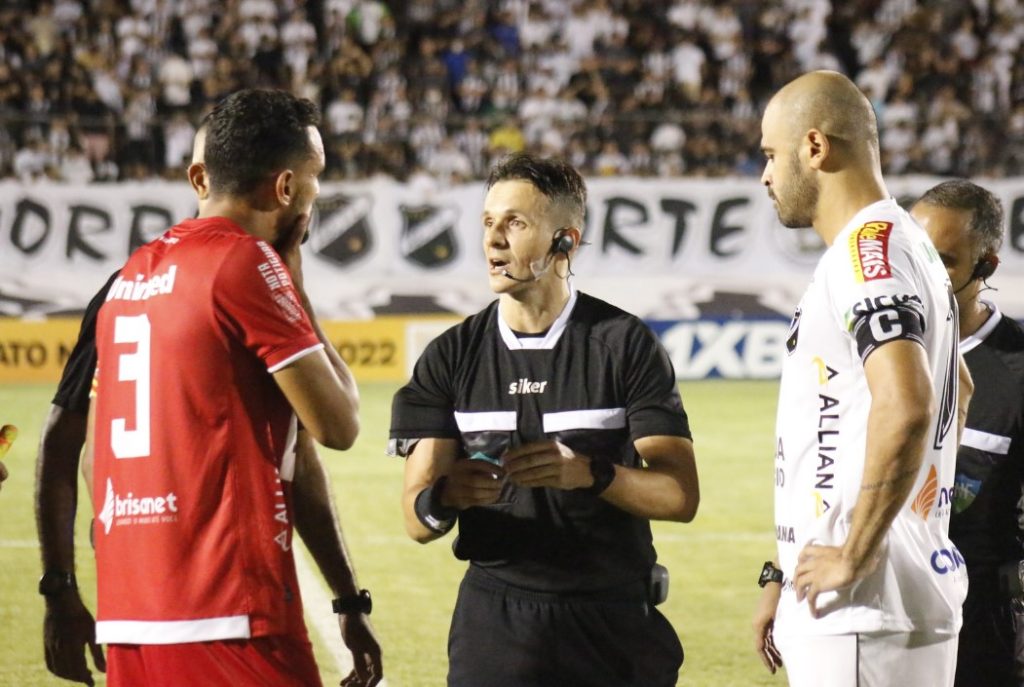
503,636
991,649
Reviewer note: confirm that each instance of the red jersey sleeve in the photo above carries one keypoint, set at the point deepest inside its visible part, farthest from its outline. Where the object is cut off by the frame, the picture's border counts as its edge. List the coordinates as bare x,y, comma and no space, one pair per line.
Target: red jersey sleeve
255,300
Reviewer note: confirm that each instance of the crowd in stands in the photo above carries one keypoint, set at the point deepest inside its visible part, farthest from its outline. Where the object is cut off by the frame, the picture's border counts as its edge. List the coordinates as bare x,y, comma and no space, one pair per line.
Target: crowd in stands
102,90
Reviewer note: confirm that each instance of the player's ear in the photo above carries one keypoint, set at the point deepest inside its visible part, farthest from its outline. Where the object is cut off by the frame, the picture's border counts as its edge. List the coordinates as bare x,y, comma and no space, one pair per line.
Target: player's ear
818,147
199,180
284,187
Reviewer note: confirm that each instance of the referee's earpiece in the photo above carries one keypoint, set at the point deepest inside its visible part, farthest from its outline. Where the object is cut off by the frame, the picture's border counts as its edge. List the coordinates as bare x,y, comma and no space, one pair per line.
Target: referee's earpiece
562,243
985,267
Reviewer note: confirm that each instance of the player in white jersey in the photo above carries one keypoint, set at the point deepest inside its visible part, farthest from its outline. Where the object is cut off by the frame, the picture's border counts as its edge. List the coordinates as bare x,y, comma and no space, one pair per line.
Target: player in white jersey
868,586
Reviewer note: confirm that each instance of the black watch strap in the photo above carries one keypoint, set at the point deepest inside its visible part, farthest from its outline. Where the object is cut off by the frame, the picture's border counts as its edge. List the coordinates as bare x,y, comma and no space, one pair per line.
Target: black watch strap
603,472
54,582
769,573
359,602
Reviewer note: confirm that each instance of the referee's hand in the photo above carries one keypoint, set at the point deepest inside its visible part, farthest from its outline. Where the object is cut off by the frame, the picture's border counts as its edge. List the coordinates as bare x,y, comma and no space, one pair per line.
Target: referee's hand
472,483
547,464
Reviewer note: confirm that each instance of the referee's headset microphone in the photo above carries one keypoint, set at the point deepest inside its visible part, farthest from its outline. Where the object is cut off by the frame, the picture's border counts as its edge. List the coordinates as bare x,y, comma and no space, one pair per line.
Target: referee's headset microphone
983,269
561,243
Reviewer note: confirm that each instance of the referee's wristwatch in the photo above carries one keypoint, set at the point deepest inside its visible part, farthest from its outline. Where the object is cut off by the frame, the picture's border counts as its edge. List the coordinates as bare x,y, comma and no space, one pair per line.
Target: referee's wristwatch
359,602
603,472
54,582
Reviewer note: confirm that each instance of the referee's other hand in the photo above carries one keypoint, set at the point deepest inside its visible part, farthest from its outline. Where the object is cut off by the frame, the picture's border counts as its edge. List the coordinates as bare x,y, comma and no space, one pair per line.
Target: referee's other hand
7,435
472,483
547,464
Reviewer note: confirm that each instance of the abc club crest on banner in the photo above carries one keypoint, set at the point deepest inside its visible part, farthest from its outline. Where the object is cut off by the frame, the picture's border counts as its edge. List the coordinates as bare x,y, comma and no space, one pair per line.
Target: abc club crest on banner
340,230
428,236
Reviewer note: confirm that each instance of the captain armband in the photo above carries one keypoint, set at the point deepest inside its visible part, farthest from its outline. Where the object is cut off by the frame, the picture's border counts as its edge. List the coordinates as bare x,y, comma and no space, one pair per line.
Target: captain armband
434,515
873,327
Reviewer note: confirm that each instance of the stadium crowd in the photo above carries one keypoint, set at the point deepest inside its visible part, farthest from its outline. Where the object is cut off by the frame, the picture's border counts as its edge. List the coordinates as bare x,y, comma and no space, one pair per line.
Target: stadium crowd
103,90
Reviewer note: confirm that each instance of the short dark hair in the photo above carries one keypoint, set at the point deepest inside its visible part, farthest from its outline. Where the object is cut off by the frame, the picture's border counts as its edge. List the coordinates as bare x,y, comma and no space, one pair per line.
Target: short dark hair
254,133
555,178
986,211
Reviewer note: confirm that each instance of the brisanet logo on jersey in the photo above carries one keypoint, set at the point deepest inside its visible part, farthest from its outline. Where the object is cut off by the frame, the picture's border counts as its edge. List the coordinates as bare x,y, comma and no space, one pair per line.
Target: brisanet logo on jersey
136,510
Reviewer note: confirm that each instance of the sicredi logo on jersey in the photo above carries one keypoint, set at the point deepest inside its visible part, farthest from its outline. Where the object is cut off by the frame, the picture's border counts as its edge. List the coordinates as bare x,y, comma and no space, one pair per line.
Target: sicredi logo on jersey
136,510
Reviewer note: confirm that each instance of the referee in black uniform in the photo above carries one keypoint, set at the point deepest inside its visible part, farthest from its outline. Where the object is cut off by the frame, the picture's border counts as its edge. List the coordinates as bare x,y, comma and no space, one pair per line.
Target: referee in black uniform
550,428
965,223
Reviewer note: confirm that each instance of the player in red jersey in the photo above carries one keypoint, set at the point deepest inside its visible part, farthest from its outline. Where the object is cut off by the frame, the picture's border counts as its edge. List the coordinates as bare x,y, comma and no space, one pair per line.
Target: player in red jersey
68,624
205,347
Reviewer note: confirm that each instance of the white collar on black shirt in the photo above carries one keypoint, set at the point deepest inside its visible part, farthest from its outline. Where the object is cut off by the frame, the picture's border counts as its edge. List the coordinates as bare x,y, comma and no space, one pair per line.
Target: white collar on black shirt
975,339
547,341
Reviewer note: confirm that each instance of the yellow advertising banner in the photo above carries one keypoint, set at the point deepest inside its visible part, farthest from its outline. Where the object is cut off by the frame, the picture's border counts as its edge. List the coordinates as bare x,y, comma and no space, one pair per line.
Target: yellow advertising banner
385,348
35,351
382,349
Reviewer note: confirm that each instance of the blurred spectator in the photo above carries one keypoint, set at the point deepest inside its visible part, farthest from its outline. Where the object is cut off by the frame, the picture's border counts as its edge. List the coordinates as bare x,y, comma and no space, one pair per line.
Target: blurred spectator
506,138
473,142
175,82
448,164
610,161
178,136
688,67
344,115
370,20
32,162
677,85
75,167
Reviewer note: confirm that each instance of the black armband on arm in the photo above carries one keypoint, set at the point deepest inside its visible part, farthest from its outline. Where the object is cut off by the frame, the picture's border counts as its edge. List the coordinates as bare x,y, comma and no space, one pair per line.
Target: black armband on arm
434,515
877,327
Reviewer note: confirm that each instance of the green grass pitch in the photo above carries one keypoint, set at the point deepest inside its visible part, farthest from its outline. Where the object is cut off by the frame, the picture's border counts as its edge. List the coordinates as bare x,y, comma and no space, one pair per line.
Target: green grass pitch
713,561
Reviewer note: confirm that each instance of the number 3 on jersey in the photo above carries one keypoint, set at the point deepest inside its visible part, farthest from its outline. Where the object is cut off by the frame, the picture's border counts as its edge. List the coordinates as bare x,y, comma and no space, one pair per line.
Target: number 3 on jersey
133,367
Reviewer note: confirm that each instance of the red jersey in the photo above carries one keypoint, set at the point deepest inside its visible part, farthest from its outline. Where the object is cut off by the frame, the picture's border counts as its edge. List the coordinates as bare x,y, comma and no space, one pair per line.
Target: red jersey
193,438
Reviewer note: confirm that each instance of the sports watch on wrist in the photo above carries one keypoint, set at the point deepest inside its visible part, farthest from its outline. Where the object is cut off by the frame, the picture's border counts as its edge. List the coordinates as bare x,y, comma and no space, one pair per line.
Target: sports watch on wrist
769,573
603,472
53,582
359,602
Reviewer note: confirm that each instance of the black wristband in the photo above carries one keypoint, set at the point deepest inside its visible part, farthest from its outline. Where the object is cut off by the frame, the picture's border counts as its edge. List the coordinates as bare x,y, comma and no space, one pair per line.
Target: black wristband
434,515
360,602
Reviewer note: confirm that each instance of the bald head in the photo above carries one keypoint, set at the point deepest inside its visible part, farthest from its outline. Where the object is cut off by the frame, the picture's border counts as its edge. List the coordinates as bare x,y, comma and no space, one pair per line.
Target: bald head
832,104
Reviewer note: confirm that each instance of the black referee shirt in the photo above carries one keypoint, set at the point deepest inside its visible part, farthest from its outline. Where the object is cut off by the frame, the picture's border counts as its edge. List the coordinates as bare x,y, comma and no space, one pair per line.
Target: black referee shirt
990,463
76,380
597,381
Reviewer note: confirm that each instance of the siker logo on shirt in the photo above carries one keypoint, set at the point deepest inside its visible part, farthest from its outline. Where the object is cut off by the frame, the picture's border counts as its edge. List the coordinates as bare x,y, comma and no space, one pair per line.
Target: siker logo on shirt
525,386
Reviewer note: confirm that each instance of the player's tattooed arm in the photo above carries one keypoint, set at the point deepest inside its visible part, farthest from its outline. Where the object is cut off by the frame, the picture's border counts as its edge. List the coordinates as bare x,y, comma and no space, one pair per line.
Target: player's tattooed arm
894,481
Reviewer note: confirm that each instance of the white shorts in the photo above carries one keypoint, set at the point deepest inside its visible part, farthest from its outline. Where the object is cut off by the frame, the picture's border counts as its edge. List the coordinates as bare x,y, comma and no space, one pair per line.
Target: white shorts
882,659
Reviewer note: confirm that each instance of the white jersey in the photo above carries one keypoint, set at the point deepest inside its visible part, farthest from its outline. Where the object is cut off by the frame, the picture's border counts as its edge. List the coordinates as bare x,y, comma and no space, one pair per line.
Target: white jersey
881,280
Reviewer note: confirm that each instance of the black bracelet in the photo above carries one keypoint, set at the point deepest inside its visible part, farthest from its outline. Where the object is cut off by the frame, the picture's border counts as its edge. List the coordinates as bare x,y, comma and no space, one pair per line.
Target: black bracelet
434,515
